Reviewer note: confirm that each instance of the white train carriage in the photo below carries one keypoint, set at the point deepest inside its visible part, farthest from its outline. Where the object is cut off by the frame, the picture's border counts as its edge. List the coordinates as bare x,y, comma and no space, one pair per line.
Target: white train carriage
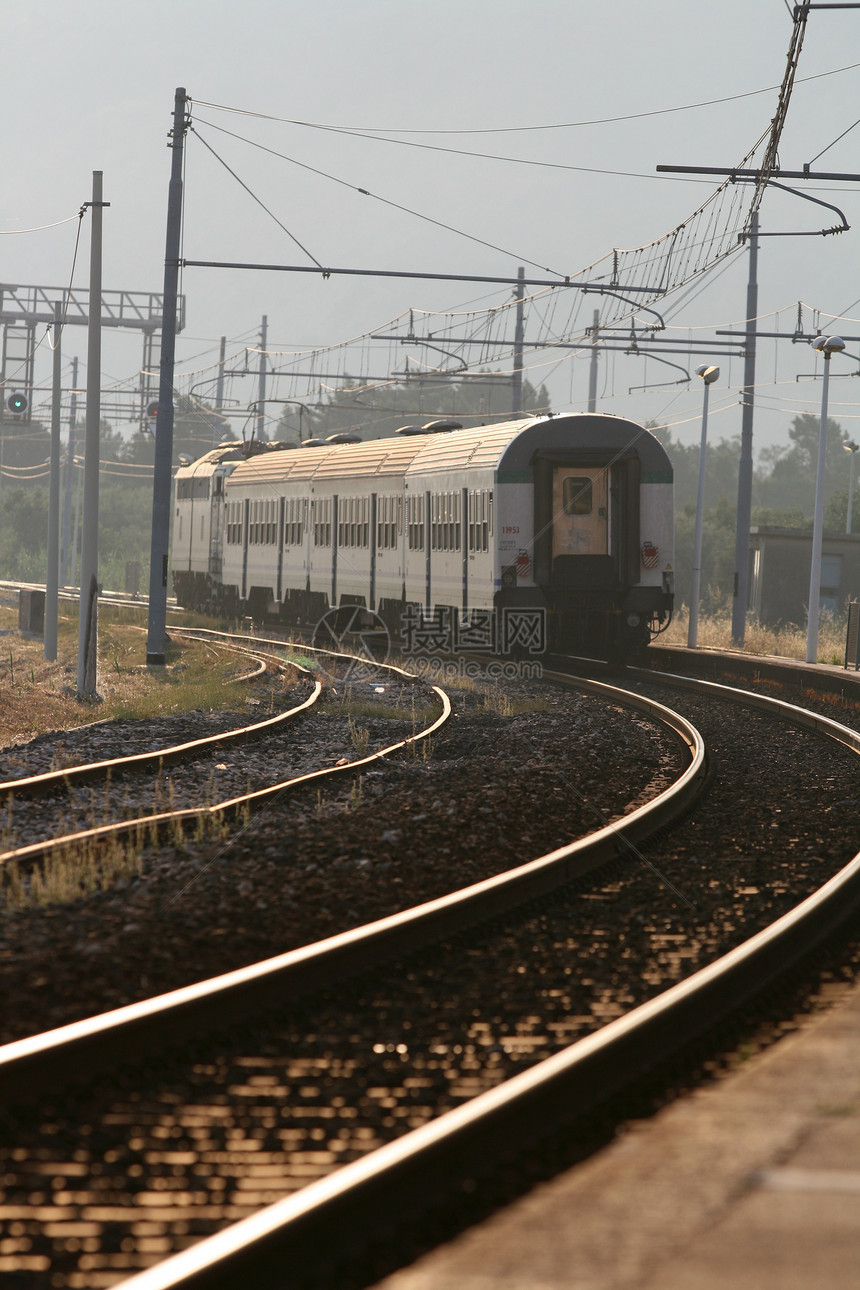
566,518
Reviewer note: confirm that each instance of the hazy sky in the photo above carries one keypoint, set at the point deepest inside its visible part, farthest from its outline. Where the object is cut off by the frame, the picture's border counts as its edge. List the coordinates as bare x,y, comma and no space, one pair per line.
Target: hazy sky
89,85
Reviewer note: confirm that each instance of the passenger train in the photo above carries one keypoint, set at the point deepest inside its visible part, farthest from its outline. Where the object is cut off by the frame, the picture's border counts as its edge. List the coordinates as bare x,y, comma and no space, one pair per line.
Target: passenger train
552,531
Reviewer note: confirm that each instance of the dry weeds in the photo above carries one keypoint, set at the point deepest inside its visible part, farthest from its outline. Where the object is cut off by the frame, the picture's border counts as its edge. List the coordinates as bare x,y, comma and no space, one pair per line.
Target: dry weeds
37,696
715,632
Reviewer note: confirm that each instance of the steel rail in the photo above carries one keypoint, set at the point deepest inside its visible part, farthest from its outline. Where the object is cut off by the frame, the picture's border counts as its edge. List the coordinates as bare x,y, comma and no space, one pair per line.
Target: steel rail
70,775
398,1178
28,1066
766,703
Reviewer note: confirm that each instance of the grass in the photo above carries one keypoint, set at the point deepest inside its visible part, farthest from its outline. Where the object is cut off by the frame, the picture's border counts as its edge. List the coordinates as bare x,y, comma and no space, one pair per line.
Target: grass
92,866
365,709
715,632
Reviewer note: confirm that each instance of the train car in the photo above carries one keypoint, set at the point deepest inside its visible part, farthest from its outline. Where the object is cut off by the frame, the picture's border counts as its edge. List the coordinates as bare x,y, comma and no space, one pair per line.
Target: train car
198,527
557,529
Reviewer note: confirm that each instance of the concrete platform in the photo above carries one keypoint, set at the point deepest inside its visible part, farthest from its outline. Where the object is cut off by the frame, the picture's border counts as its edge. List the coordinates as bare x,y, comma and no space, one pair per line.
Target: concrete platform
752,1183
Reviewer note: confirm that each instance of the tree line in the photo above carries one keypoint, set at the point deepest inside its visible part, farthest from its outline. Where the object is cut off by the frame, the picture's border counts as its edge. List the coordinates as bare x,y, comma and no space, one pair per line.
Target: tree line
783,480
783,495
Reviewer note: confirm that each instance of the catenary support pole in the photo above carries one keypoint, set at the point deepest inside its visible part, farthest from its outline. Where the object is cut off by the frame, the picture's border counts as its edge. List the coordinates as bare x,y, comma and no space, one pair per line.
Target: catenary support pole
592,370
825,345
52,579
219,394
517,392
88,622
156,639
66,563
745,464
260,428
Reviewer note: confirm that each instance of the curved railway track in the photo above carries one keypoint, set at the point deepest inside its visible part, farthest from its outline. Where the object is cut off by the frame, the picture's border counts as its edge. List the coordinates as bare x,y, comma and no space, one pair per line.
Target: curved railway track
157,823
296,1231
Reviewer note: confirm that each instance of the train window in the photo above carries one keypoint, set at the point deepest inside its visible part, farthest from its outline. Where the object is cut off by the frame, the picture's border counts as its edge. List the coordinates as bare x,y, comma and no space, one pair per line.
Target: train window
415,522
476,507
234,528
295,509
321,517
576,495
387,512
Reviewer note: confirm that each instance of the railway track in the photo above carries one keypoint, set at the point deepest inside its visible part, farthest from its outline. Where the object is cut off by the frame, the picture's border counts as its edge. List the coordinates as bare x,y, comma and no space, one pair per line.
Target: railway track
396,1048
144,818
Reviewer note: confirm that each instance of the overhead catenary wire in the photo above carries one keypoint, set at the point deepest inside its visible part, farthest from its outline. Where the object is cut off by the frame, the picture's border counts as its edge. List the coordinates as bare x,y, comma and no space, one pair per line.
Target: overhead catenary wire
257,199
376,197
522,129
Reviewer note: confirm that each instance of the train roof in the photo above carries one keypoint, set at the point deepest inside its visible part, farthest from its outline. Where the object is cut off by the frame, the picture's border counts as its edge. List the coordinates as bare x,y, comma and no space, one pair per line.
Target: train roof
214,457
508,445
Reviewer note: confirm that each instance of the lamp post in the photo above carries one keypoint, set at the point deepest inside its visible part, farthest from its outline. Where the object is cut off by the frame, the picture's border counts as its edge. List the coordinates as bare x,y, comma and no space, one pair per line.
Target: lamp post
825,345
708,375
850,446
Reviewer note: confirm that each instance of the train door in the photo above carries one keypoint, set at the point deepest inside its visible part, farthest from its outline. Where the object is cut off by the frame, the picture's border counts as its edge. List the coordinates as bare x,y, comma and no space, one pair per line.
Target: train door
580,511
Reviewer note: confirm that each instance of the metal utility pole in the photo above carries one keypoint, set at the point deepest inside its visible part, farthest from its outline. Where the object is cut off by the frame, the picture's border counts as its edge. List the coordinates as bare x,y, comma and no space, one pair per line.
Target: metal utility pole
825,345
745,465
219,392
88,612
159,553
708,375
745,471
259,431
592,371
52,579
517,392
65,546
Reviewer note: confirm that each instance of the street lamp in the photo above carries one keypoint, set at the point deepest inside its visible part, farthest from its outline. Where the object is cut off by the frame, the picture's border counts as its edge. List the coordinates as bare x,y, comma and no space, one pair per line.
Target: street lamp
825,345
850,446
708,375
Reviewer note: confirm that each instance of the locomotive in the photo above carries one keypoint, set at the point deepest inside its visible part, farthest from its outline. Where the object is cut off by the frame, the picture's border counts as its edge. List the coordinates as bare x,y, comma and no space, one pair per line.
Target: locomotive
543,531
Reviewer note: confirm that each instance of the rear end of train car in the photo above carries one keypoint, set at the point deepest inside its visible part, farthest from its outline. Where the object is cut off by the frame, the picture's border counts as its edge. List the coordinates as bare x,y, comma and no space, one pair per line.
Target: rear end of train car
585,531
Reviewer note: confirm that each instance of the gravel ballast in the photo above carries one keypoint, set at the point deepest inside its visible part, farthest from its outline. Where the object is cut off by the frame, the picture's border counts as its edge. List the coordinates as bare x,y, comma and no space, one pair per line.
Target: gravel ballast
497,787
